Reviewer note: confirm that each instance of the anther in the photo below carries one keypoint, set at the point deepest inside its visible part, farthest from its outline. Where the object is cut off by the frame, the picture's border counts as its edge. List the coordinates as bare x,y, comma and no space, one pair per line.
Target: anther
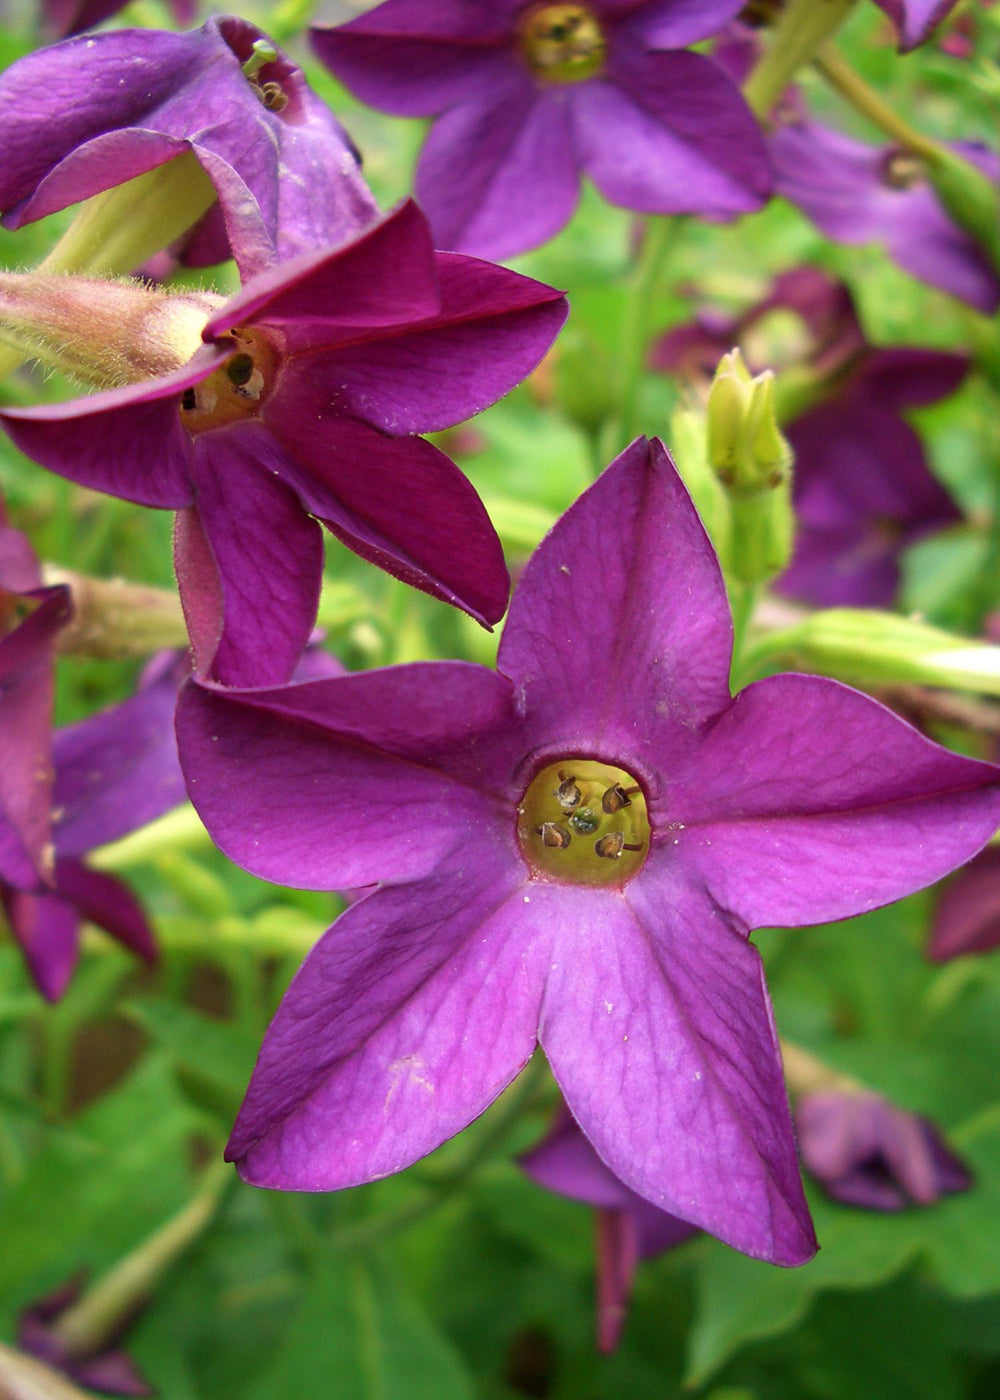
568,794
610,847
554,834
615,798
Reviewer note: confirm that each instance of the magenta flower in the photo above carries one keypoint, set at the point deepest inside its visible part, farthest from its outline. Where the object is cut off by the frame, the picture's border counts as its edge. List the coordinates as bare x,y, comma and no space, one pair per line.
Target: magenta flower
92,112
915,20
110,1371
114,772
866,1152
31,618
298,408
572,851
967,918
627,1227
857,193
531,96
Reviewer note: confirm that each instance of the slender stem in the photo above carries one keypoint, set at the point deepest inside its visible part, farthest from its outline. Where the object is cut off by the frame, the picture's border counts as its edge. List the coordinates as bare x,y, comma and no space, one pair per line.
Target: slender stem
805,1074
112,618
803,27
864,99
181,829
742,600
659,238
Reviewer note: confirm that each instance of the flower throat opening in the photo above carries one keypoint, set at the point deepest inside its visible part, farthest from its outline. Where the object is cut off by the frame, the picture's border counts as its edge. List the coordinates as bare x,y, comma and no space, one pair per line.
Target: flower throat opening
562,43
236,390
584,822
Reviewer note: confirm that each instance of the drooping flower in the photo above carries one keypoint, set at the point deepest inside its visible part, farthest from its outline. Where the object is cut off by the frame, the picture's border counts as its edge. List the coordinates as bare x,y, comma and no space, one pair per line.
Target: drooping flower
534,95
114,772
858,193
110,1370
572,851
867,1152
92,112
915,20
862,490
967,917
627,1227
300,407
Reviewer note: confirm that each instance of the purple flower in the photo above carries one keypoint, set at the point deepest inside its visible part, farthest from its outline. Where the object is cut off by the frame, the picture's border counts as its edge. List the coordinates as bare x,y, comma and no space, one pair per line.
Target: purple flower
532,95
299,405
95,111
114,772
31,618
627,1227
863,491
866,1152
572,851
857,193
915,20
109,1370
967,918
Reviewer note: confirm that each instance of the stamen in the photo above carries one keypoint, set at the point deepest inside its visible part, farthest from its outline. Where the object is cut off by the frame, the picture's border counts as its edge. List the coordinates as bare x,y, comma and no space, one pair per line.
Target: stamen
615,798
609,847
554,834
583,821
568,793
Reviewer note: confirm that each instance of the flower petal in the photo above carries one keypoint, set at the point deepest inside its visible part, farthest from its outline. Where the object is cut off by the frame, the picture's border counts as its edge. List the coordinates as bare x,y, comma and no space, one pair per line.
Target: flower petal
108,902
811,802
405,1022
673,24
660,1035
48,930
967,918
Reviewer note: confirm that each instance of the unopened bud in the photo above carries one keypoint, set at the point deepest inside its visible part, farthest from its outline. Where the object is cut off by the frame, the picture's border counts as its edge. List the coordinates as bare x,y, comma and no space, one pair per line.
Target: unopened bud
102,333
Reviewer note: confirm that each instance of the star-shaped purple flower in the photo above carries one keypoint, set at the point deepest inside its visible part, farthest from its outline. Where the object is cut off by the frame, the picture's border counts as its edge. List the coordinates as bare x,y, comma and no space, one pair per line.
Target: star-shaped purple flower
627,1227
866,1152
95,111
572,851
114,772
300,407
915,20
532,95
857,193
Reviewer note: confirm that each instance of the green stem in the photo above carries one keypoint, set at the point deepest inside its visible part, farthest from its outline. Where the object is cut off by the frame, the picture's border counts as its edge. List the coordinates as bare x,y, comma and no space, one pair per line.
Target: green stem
742,601
181,829
803,27
864,99
659,238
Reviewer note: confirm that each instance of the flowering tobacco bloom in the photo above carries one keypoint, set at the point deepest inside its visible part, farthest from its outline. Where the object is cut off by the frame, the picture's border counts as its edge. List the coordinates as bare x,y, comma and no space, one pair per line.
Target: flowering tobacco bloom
300,404
532,95
30,620
572,850
95,111
114,772
858,193
863,491
866,1152
627,1227
915,20
967,918
110,1370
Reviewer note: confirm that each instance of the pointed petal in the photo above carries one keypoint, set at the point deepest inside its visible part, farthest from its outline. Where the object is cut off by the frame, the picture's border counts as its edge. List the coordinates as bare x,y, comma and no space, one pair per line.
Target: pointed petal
810,802
109,903
619,633
967,918
408,1018
673,24
267,553
48,929
663,1044
283,778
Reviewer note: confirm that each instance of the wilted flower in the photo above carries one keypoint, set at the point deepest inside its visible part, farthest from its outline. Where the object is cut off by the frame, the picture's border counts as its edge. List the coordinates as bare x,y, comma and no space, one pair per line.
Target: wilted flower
299,406
967,917
92,112
571,850
858,193
866,1152
532,95
627,1227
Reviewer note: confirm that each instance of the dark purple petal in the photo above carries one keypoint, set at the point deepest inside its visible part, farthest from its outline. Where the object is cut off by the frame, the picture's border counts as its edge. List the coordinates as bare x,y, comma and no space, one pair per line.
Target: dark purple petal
619,635
48,929
499,174
111,1373
662,1041
398,502
669,133
904,376
915,19
267,552
107,902
967,918
673,24
286,779
811,802
367,1064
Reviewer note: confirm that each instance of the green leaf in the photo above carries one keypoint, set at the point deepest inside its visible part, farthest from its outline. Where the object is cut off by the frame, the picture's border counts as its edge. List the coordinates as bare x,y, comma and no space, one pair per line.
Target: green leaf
217,1053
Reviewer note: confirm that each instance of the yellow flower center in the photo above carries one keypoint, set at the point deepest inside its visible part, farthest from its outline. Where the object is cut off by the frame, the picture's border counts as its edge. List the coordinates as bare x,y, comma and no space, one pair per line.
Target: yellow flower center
584,822
562,43
236,390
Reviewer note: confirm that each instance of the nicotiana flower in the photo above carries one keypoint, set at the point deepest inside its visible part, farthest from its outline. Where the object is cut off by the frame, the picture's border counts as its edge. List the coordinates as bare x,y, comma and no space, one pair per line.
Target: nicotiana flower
109,1370
114,772
572,850
532,95
915,20
863,491
627,1227
300,406
858,193
867,1152
967,917
95,111
31,618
